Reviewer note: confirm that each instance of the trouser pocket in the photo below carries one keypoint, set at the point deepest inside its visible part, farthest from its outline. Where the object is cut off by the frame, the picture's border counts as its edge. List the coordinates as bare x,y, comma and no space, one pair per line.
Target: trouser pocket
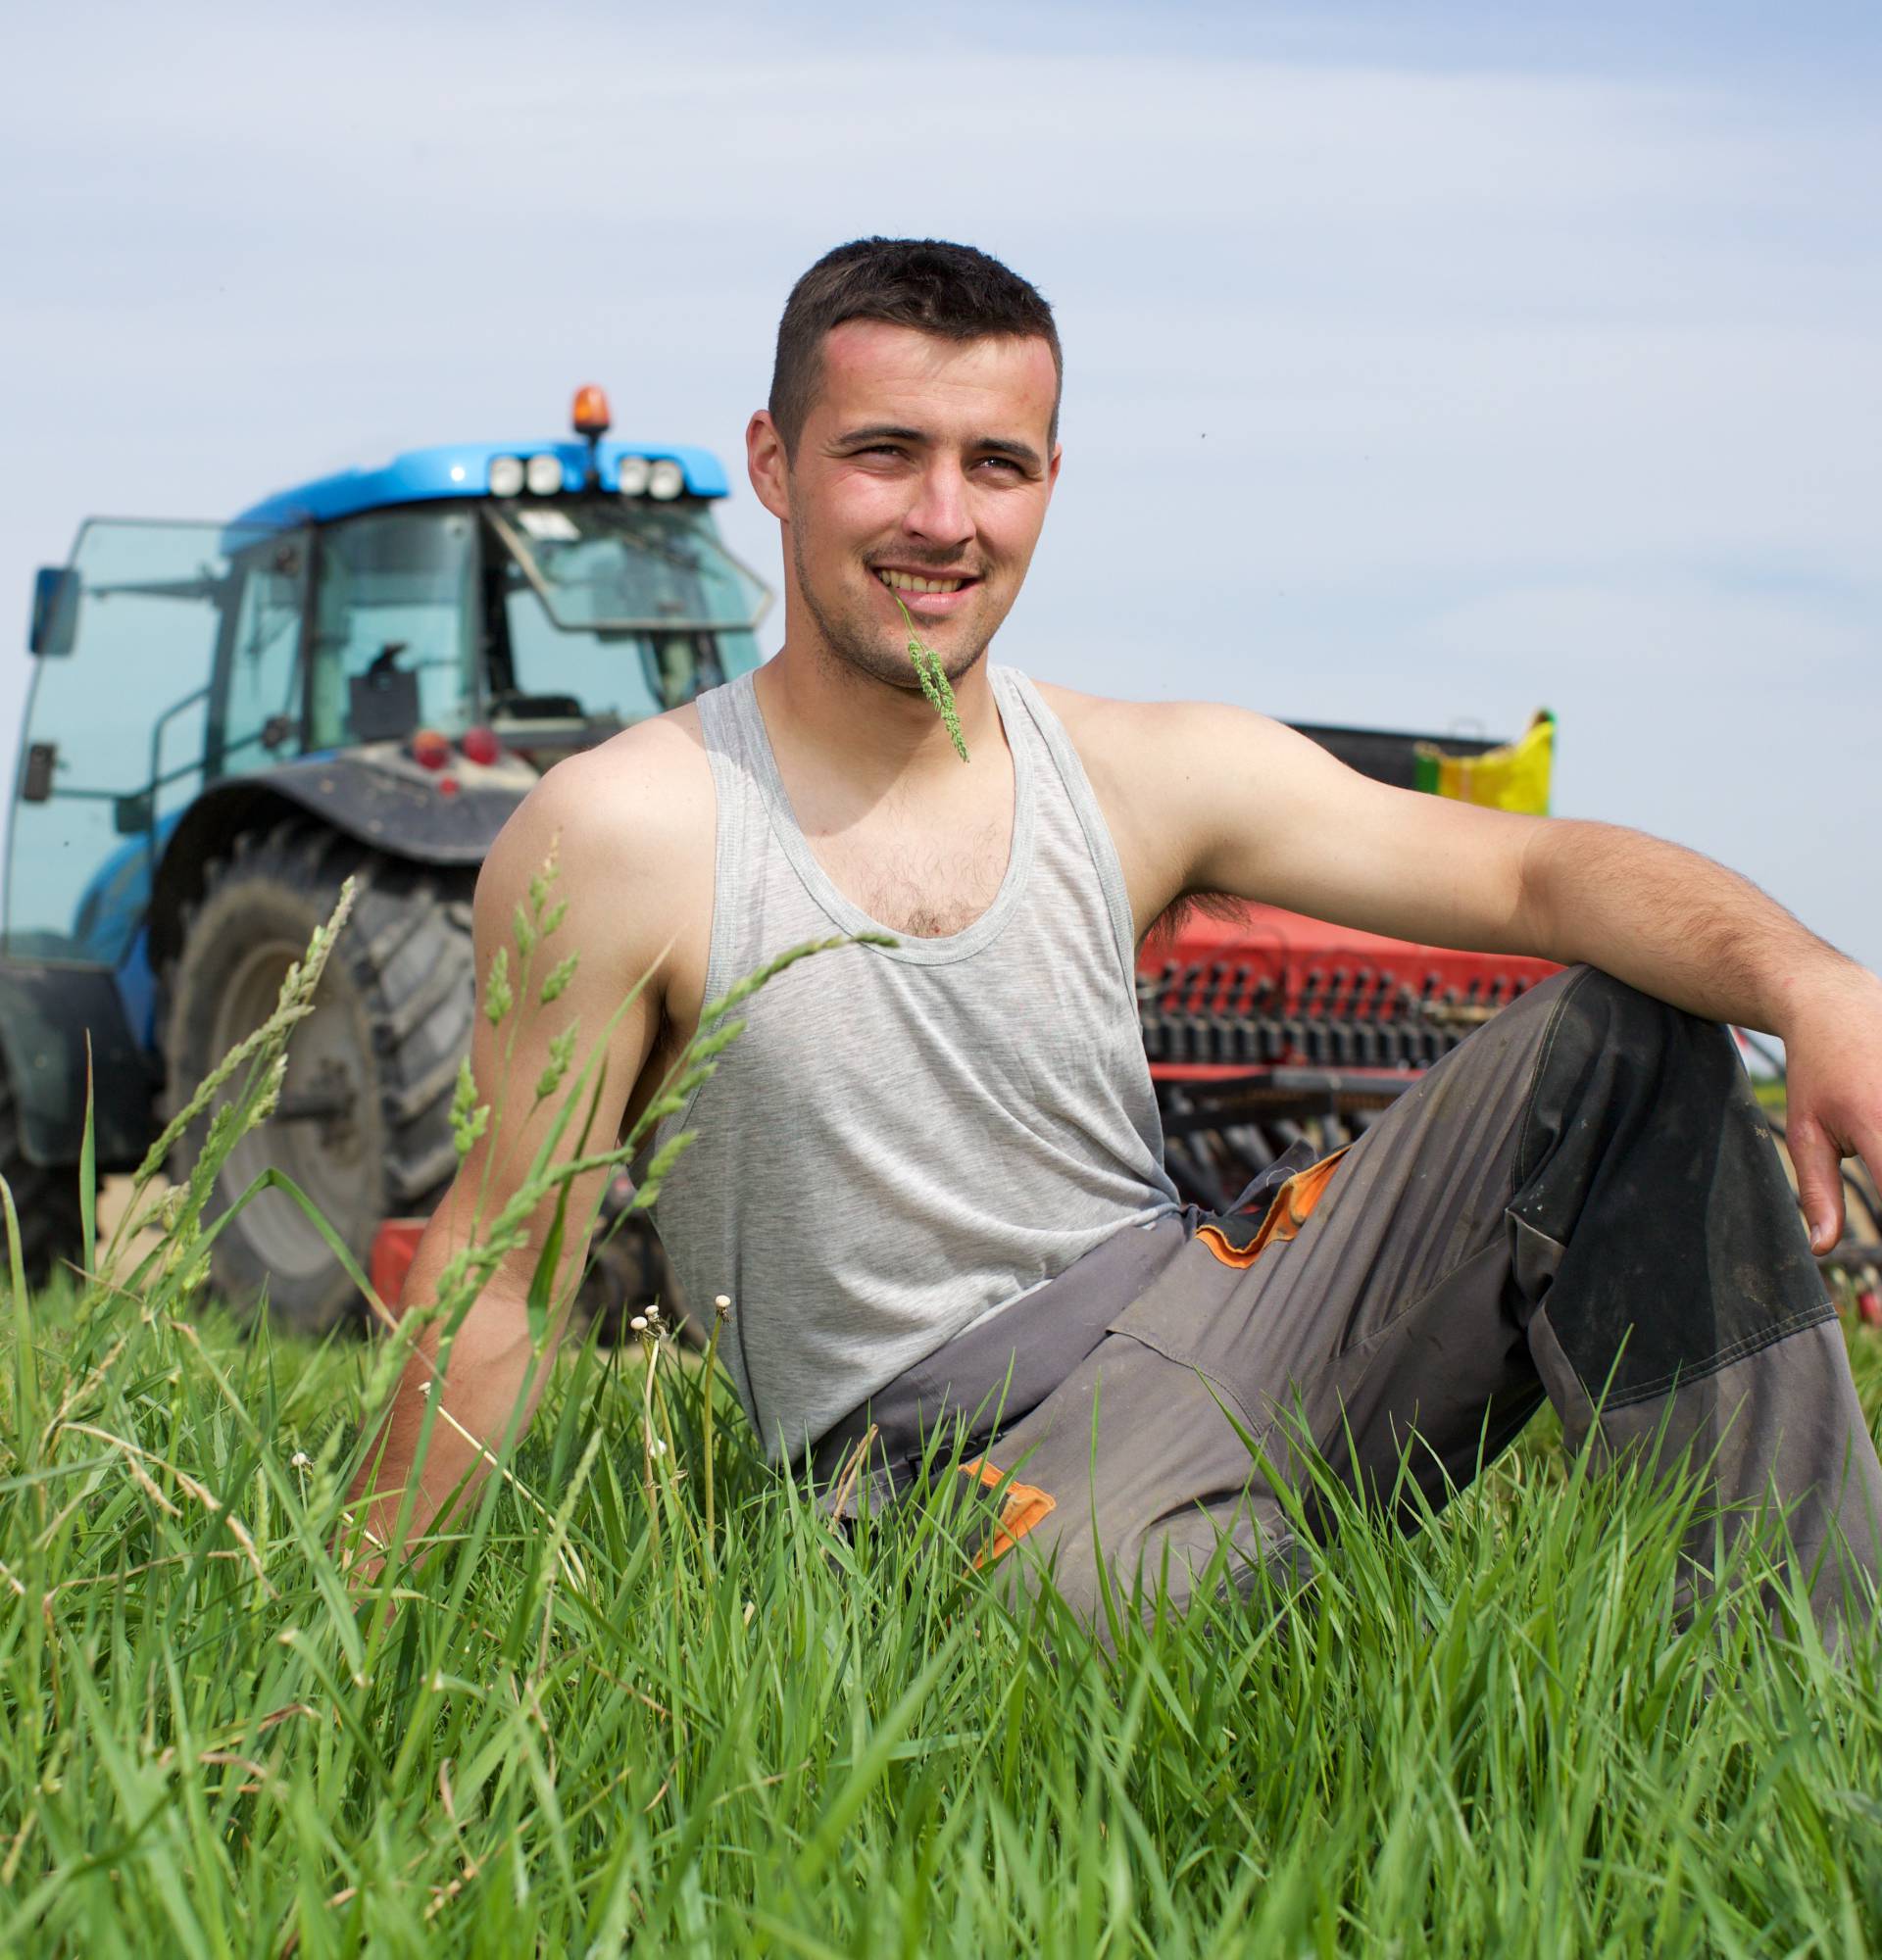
1238,1240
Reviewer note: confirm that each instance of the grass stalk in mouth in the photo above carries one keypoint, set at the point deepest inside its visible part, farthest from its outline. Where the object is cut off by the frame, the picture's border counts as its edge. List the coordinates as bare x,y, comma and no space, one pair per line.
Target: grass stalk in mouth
933,677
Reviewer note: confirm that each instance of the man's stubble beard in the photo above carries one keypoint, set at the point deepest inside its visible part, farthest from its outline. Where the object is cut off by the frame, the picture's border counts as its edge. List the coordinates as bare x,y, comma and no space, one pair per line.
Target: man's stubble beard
856,641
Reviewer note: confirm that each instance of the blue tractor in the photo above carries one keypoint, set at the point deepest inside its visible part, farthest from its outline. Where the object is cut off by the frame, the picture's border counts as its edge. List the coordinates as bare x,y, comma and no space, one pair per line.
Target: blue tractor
361,677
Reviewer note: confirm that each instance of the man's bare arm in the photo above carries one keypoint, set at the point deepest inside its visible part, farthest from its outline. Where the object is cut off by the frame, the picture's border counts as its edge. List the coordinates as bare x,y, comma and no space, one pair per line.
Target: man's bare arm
1262,812
1677,925
605,825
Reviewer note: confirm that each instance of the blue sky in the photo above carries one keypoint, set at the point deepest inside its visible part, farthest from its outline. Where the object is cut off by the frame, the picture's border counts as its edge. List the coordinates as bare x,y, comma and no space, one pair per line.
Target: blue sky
1425,364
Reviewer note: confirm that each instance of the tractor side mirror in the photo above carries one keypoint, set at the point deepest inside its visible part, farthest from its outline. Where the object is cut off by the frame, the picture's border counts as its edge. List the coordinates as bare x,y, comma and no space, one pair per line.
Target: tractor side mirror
36,779
55,613
133,816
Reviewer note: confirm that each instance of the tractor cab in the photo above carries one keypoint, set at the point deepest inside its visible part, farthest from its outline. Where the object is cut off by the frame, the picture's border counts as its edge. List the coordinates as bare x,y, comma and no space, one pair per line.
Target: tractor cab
517,600
368,672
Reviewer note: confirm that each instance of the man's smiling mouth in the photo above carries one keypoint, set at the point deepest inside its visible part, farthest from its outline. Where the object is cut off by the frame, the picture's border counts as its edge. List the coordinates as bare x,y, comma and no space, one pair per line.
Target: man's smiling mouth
908,581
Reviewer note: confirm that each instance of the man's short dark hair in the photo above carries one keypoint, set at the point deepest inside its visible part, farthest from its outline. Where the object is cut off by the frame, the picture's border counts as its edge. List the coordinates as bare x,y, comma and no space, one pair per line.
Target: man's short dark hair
950,291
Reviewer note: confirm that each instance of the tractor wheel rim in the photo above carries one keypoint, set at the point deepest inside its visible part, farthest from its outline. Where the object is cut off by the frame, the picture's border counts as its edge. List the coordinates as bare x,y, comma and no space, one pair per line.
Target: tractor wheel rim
334,1162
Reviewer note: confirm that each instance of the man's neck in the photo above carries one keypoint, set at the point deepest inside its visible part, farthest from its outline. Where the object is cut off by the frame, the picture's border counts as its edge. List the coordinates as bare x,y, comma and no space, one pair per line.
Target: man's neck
870,736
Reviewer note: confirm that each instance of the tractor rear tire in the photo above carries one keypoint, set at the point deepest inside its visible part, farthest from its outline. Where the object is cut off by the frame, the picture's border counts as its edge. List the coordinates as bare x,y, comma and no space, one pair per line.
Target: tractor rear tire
52,1230
375,1062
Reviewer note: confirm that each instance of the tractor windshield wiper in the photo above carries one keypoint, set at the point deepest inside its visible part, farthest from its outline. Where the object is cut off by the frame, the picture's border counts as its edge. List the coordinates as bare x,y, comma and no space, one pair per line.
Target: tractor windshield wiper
627,568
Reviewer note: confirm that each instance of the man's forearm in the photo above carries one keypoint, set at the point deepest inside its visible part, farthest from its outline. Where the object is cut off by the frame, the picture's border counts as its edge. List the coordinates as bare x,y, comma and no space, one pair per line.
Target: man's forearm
1677,925
487,1377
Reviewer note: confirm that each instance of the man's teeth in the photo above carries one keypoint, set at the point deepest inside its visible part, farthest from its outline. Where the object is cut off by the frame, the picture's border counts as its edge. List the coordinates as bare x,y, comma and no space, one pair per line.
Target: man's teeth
902,581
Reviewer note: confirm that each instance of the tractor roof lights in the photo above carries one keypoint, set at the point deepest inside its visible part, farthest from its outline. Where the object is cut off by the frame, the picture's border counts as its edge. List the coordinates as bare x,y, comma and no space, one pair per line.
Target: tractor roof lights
666,479
630,476
544,474
505,476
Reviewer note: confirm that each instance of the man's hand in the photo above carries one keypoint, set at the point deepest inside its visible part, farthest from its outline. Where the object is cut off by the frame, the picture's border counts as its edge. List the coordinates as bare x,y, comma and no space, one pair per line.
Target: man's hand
1833,1055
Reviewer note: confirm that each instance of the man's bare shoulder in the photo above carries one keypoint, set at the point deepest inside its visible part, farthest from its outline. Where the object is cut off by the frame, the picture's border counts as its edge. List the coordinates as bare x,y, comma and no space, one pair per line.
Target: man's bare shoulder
631,823
1111,724
652,777
1133,749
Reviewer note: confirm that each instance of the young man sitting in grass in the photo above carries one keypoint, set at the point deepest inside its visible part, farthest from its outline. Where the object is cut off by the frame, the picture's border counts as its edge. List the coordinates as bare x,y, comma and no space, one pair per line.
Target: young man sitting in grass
929,1173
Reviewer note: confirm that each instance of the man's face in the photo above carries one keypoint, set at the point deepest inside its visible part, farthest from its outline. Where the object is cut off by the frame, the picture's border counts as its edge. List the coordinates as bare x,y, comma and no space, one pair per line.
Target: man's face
922,459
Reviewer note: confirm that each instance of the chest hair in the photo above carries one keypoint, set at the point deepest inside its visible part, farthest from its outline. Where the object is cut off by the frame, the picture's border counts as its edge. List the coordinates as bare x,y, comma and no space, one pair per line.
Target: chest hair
927,888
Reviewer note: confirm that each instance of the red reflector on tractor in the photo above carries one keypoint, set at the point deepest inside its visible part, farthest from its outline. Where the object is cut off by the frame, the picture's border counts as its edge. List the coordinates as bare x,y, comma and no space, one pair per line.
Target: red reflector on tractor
429,749
393,1246
480,745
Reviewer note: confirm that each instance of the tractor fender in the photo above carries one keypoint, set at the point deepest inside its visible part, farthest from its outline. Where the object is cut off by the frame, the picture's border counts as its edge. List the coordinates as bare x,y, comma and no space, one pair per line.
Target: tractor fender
398,811
46,1011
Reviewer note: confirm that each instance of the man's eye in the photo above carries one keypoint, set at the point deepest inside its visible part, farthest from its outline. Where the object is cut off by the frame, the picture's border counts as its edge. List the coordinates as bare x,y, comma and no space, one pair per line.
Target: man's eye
1003,463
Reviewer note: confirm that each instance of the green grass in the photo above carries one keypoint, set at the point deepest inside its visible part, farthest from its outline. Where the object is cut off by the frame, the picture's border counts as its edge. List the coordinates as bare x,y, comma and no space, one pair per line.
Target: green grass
591,1719
570,1735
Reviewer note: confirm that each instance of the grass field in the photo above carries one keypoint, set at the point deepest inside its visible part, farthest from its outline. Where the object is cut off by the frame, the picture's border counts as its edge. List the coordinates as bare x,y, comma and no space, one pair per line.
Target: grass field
576,1732
644,1697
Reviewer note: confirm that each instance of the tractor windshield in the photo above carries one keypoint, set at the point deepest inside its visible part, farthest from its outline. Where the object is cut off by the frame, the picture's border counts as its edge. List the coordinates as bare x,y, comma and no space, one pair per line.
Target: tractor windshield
615,609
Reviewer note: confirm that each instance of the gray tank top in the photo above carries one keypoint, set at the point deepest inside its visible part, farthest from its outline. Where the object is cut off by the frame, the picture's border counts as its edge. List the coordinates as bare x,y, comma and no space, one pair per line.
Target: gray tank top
906,1140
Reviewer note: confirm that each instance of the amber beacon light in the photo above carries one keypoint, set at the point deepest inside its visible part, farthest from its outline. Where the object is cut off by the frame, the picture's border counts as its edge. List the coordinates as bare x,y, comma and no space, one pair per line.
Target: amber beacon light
592,416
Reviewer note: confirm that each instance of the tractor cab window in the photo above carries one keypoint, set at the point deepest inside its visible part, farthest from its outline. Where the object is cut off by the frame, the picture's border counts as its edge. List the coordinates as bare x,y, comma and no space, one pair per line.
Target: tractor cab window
118,731
615,609
394,627
255,713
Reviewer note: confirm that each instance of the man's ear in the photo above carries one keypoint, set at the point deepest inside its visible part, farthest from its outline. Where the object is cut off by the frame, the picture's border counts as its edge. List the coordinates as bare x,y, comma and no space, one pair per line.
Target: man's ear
1052,467
767,464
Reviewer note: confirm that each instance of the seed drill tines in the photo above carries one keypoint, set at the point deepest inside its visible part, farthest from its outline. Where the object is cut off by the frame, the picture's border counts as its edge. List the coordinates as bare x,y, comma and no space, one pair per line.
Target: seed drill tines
933,677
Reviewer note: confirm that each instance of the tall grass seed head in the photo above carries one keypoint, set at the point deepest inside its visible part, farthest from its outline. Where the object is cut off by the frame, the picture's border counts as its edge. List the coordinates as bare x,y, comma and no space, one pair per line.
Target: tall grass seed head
463,1098
561,1054
933,677
183,1244
466,1134
270,1099
539,884
468,1116
498,999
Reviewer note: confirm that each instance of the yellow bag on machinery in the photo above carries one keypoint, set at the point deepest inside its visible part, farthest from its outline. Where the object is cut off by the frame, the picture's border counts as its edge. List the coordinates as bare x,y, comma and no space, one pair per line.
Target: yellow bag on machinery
1513,777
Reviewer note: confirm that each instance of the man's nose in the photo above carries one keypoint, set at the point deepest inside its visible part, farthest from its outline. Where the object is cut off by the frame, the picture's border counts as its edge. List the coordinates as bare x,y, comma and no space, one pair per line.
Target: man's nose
939,513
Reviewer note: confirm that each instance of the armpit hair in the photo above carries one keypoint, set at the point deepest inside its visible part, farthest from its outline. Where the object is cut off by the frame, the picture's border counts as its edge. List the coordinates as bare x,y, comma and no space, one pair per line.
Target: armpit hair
1222,907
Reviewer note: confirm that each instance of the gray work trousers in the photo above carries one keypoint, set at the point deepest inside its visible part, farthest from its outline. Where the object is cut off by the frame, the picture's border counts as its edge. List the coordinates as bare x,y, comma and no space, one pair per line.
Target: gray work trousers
1581,1202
